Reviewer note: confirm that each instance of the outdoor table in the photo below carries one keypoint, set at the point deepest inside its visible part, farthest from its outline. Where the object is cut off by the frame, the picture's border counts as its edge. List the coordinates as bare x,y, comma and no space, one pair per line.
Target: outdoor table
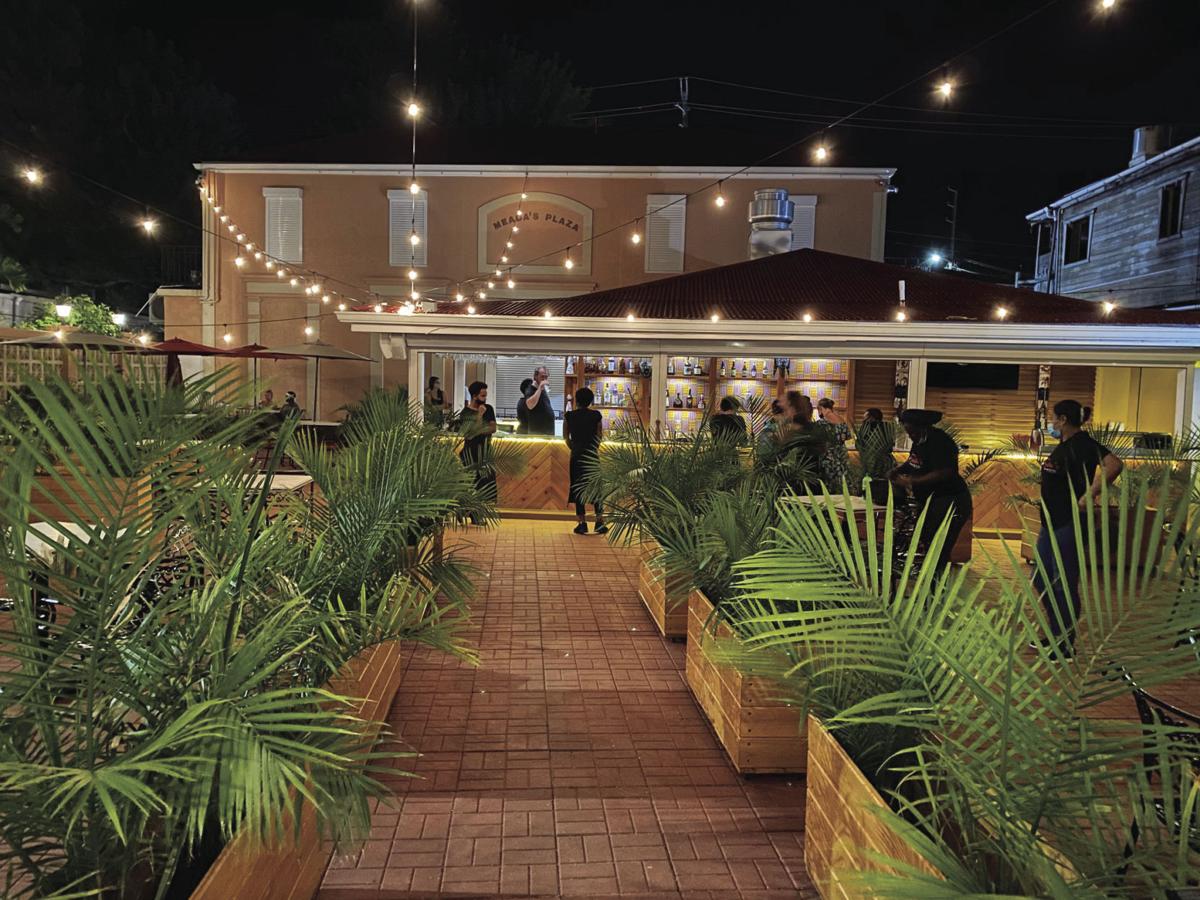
838,501
45,539
282,483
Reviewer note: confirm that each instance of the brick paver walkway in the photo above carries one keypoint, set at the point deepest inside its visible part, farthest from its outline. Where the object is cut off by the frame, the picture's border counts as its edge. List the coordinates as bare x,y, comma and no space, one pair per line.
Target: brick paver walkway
573,760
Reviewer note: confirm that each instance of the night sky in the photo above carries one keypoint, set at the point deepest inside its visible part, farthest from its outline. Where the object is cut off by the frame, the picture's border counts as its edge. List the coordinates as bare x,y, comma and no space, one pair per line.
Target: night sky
1042,109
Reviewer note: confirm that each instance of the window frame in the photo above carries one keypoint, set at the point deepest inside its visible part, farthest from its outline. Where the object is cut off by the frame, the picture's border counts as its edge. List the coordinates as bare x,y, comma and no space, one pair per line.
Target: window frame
284,193
1181,183
1067,223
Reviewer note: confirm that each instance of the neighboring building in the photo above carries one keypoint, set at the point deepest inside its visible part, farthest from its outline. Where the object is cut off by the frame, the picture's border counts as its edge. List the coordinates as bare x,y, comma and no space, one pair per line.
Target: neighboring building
1132,238
352,222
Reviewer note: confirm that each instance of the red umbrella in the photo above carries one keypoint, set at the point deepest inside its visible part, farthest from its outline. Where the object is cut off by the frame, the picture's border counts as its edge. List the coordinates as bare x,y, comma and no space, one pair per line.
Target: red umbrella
257,352
187,348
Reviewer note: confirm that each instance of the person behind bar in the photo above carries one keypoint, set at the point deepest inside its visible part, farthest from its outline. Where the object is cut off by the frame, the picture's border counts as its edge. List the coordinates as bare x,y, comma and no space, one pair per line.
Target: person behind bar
435,402
478,424
931,474
522,409
727,426
583,428
538,408
1074,473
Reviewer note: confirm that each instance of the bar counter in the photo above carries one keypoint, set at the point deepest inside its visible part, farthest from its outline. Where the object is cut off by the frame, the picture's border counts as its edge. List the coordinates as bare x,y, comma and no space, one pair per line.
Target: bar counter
997,488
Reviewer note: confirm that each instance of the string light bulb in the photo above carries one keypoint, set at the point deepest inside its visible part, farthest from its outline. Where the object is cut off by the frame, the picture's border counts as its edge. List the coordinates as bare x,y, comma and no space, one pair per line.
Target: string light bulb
148,225
901,316
239,261
946,88
414,109
714,318
281,273
511,284
482,295
546,314
1109,307
516,229
720,198
414,188
250,246
821,153
458,298
231,228
227,338
143,339
241,238
504,258
498,273
378,307
32,175
412,274
491,284
217,209
294,282
325,299
341,307
524,196
1002,312
508,244
258,254
629,317
636,237
414,296
569,263
414,239
308,330
807,317
470,310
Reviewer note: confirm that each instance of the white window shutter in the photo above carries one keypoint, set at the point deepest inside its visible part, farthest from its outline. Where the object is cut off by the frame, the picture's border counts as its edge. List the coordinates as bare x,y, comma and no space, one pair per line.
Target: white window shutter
408,212
804,222
285,223
666,215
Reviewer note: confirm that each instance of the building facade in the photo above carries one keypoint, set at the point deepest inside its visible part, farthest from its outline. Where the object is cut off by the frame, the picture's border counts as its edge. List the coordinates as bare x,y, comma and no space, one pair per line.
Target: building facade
1133,238
361,231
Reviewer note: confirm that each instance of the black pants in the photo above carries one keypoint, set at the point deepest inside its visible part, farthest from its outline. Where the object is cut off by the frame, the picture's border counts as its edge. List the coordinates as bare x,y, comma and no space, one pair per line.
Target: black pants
581,510
962,509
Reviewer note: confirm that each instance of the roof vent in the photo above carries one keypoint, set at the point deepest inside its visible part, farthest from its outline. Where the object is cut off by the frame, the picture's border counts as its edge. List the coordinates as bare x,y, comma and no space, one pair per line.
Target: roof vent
771,215
1148,141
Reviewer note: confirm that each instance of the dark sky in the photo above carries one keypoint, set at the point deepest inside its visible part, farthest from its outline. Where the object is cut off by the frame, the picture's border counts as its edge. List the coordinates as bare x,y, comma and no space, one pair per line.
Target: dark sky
1044,108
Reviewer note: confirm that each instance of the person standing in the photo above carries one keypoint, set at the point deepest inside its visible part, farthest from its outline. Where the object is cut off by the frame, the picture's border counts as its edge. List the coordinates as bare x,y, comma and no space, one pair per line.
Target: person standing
435,402
931,474
522,409
583,429
539,409
1073,475
727,426
835,460
478,424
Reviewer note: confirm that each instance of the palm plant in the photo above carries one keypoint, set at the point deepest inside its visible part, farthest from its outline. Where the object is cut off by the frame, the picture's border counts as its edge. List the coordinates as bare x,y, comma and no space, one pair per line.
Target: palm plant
1002,771
177,698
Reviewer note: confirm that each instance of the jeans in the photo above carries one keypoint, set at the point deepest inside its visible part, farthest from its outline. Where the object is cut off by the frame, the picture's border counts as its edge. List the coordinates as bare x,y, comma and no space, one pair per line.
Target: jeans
1061,601
581,511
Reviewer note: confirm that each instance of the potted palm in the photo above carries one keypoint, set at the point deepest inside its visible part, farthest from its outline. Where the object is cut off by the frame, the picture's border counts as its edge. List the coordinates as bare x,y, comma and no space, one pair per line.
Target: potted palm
945,759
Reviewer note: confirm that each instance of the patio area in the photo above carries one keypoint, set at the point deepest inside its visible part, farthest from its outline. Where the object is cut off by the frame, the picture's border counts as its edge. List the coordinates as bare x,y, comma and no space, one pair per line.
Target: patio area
573,760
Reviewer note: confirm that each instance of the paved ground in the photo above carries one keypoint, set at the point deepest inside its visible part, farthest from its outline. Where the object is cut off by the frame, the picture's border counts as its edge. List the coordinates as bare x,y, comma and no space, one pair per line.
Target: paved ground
573,761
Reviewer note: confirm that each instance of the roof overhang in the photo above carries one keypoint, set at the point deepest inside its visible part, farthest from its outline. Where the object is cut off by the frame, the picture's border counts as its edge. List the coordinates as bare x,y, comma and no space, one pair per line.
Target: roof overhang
828,173
1101,344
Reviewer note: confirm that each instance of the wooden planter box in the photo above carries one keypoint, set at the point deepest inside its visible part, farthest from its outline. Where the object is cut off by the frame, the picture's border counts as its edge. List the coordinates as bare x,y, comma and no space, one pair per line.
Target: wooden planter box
839,827
759,733
663,599
52,500
293,872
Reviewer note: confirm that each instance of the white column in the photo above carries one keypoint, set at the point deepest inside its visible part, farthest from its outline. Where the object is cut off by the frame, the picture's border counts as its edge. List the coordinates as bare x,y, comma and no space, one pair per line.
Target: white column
376,360
658,390
918,370
458,386
415,395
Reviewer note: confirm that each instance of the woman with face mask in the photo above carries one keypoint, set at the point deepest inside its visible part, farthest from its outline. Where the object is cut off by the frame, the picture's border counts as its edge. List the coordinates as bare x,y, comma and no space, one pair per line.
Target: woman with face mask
1073,474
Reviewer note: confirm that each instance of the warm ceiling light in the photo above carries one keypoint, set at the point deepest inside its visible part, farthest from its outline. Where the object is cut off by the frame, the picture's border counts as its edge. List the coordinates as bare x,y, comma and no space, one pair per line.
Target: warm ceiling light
148,225
807,317
1001,312
414,110
412,274
547,314
901,316
946,88
414,239
32,175
629,317
239,261
714,318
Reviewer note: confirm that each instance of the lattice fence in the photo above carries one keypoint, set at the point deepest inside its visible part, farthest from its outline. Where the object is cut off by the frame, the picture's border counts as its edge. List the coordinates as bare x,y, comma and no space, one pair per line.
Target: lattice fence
19,364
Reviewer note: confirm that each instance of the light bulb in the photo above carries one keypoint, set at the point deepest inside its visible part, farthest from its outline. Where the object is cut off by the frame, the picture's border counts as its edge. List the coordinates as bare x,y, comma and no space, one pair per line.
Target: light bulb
270,265
629,317
714,318
470,310
1107,4
414,296
341,307
378,307
414,239
504,258
946,88
62,310
224,218
325,298
807,317
148,225
258,255
491,284
227,338
241,239
569,264
458,298
280,273
1109,307
118,319
294,282
508,244
414,110
482,295
143,339
524,196
720,201
32,175
59,334
901,316
821,153
308,330
231,228
414,188
412,274
519,213
239,261
216,209
498,273
547,314
316,287
636,237
511,284
516,228
250,246
1001,312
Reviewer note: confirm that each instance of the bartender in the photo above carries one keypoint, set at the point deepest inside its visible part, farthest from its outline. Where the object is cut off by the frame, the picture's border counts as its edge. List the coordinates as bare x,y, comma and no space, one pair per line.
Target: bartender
931,474
539,411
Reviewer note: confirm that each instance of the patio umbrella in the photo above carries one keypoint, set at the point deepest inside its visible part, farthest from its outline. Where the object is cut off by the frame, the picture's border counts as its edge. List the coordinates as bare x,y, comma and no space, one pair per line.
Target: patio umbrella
177,347
256,352
317,350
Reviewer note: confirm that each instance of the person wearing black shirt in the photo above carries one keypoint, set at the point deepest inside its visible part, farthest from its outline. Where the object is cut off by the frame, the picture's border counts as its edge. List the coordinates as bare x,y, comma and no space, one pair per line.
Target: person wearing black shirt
931,474
478,424
727,426
1072,476
522,409
583,428
538,408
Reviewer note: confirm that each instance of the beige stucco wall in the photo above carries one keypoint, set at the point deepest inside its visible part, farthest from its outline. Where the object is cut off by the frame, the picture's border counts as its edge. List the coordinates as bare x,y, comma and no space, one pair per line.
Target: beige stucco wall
345,235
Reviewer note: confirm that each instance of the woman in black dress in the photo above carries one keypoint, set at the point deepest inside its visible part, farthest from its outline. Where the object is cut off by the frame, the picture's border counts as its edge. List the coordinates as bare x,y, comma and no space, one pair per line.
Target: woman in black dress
583,428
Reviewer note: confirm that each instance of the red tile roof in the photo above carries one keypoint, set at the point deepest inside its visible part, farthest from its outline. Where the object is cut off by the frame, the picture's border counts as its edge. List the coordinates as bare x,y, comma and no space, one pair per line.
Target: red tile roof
828,286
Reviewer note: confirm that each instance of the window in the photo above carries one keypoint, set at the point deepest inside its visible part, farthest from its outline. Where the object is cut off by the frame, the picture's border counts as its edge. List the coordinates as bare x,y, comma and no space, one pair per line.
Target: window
804,222
666,215
1170,209
285,223
408,214
1076,240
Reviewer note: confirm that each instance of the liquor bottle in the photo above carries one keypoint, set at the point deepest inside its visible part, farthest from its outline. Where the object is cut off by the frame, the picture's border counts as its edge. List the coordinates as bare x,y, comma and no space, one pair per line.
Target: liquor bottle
670,365
722,367
570,365
621,366
668,401
699,366
754,369
700,402
745,371
691,400
567,406
678,402
612,365
687,365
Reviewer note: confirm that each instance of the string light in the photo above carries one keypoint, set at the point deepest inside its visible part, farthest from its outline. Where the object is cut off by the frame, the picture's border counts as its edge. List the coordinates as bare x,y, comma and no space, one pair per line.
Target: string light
821,153
412,274
32,175
547,314
511,284
414,188
60,334
946,88
901,316
414,110
807,317
216,209
232,228
143,339
294,282
458,298
720,198
508,244
629,317
636,237
341,307
414,239
270,265
241,239
491,284
1001,312
569,263
308,330
250,246
325,299
498,273
148,225
482,295
504,258
239,261
524,196
714,318
227,338
516,229
470,310
1109,307
378,307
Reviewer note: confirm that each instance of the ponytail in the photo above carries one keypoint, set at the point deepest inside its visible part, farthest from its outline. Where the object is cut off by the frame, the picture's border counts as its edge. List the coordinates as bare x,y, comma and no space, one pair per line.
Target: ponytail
1075,413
